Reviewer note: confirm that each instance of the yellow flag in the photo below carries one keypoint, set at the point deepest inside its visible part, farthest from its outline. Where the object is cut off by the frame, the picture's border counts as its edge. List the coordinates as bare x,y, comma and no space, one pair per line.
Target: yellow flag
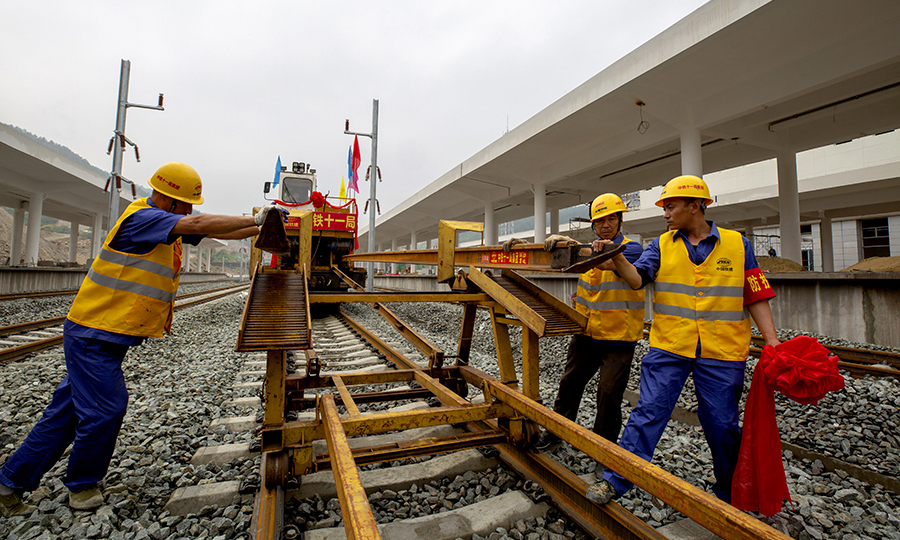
343,192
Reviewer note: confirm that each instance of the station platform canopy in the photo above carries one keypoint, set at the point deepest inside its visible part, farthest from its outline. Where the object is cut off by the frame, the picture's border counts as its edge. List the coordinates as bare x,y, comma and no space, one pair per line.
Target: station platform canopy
746,80
71,190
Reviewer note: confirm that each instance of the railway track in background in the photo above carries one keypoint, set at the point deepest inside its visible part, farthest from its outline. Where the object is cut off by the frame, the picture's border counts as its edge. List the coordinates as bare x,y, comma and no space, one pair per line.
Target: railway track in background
858,362
65,292
20,340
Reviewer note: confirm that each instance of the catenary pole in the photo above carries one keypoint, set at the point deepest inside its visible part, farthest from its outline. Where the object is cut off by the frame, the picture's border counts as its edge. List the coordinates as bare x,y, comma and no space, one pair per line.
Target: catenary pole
120,140
373,175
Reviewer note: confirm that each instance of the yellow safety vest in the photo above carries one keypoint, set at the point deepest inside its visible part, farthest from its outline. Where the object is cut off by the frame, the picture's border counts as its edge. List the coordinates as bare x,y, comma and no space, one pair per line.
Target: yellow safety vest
614,310
704,301
126,293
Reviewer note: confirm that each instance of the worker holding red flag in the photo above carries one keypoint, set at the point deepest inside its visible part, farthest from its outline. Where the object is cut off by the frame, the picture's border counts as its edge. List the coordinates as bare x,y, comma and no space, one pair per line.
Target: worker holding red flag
707,286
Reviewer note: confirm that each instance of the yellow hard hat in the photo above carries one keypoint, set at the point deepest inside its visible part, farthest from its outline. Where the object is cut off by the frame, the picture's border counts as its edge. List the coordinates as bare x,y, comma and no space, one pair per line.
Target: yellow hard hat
685,186
178,181
606,204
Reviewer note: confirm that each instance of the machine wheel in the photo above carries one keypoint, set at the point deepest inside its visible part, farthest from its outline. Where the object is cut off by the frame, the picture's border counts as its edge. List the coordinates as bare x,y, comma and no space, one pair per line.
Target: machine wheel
276,469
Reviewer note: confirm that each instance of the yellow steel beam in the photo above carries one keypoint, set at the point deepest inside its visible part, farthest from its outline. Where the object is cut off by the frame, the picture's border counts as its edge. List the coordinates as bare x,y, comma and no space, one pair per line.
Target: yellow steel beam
296,433
372,297
273,416
427,446
434,355
504,351
527,257
359,523
465,334
439,390
531,368
717,516
512,304
447,246
346,399
374,377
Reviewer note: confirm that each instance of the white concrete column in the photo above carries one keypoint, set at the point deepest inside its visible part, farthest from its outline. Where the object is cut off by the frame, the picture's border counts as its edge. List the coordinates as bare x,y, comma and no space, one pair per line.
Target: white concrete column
33,236
691,152
412,245
748,231
789,206
185,257
554,221
208,259
490,225
96,238
73,242
826,243
540,213
18,229
394,246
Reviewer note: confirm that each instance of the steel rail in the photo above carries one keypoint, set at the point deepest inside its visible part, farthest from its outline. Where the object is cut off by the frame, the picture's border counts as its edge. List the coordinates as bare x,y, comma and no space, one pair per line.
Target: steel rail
858,362
36,294
66,292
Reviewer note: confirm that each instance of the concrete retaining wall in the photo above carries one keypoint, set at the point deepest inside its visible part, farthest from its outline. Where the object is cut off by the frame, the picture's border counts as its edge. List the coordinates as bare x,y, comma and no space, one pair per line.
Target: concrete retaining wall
857,306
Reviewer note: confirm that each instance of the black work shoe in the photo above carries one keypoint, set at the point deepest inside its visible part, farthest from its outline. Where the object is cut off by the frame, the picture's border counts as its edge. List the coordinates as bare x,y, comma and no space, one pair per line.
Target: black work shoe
601,492
547,441
12,505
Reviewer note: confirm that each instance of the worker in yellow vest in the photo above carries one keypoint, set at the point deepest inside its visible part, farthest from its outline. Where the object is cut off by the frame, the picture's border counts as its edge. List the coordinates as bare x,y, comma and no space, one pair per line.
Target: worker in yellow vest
707,285
615,315
126,297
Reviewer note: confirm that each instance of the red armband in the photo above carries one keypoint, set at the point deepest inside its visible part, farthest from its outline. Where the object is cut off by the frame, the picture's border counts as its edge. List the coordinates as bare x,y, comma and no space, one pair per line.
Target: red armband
756,286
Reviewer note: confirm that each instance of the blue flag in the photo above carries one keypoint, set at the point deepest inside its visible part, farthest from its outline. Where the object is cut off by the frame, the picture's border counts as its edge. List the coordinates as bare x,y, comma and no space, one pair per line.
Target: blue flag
277,172
350,166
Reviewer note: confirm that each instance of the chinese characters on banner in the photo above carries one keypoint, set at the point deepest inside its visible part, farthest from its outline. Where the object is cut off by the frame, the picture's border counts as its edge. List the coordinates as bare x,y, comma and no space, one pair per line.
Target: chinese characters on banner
326,221
501,257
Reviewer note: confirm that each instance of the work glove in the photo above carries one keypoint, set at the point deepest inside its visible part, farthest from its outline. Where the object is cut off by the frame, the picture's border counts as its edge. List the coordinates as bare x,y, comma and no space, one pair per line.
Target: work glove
260,217
508,245
557,241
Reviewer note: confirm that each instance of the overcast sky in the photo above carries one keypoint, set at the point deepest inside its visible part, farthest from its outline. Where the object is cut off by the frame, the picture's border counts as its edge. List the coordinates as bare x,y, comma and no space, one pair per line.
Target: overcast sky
245,82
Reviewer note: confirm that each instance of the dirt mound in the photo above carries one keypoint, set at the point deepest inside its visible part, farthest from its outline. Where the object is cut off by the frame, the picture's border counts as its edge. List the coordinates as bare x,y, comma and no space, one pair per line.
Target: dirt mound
778,265
875,264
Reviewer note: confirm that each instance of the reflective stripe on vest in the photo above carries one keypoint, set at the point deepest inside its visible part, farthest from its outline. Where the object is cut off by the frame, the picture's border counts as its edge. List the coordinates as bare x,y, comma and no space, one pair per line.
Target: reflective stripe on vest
128,293
614,310
704,301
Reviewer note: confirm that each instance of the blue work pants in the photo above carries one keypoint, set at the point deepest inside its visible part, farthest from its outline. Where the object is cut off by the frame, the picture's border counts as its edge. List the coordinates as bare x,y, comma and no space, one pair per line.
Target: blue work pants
718,387
86,411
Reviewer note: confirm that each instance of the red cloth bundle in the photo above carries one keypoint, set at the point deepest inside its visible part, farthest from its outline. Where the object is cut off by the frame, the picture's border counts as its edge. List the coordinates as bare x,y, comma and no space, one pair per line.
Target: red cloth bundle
802,370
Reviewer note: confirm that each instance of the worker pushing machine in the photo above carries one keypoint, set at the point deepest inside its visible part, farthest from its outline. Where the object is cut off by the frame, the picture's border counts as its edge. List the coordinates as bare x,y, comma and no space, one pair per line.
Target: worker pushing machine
706,282
127,296
615,314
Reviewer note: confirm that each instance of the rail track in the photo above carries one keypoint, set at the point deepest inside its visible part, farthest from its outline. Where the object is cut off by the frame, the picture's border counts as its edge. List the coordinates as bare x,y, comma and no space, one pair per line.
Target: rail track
858,362
20,340
504,412
66,292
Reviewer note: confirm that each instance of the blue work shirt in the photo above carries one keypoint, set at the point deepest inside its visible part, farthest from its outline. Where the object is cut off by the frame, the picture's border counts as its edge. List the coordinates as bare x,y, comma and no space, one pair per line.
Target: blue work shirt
139,234
648,264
